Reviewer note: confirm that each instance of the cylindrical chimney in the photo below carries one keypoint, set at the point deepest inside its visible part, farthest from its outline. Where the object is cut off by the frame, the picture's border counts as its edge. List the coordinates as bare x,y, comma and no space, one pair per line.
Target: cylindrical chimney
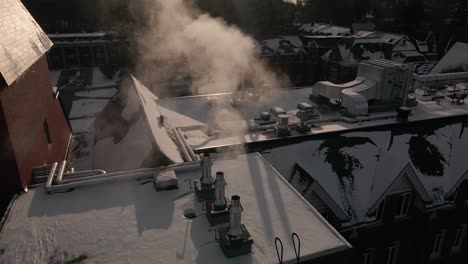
235,210
220,184
206,165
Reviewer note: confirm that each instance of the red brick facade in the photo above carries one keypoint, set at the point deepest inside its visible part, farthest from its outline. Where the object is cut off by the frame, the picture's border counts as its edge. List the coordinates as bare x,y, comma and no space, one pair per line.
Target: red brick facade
27,107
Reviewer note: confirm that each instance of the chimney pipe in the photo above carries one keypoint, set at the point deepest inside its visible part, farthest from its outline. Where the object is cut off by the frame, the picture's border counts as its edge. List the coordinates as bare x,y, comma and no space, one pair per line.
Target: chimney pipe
235,210
206,163
220,184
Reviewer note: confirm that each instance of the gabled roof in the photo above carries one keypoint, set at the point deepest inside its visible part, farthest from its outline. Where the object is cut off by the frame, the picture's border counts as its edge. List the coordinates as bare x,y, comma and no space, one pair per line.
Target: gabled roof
358,169
283,45
455,60
128,132
22,40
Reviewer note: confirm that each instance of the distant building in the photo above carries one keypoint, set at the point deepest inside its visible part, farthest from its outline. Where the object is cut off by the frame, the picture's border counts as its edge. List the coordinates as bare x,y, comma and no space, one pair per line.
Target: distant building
332,53
33,129
84,50
286,55
339,65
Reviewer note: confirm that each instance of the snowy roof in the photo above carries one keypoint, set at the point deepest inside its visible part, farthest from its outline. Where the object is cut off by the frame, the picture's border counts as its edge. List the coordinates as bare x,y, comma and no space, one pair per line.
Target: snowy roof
379,45
131,222
455,60
282,45
324,29
128,133
211,121
22,40
356,169
77,35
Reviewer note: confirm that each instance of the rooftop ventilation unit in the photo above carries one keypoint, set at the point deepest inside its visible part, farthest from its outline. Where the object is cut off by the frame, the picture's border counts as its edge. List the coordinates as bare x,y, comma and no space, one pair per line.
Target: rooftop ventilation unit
235,240
204,189
165,180
217,212
282,126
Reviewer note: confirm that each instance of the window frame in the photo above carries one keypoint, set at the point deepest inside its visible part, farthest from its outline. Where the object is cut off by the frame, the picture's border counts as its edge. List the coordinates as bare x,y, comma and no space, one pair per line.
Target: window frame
379,212
46,128
404,204
368,257
393,248
438,241
460,234
325,213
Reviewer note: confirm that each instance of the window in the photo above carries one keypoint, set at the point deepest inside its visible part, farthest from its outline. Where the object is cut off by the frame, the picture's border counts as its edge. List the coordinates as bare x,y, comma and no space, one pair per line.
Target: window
325,213
391,253
47,132
459,237
380,210
368,256
437,244
404,201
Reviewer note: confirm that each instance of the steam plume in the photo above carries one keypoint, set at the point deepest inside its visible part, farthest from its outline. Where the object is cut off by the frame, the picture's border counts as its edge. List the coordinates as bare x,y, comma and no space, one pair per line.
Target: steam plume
218,56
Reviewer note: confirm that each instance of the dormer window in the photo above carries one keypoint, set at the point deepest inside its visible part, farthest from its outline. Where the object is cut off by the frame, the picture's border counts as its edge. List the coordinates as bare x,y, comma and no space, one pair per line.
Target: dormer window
459,237
404,201
437,244
380,210
368,256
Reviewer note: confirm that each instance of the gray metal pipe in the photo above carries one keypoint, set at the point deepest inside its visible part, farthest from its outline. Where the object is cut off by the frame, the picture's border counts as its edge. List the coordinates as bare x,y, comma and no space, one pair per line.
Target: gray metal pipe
51,174
187,146
102,178
182,146
61,170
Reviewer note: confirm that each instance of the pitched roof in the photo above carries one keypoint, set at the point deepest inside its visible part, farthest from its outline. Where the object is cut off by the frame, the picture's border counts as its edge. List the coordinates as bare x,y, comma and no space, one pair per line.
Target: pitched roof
356,169
282,45
22,40
455,60
128,133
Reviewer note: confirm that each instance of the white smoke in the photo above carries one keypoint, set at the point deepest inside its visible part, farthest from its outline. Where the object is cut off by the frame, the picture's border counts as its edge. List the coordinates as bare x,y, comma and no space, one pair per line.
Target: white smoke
179,37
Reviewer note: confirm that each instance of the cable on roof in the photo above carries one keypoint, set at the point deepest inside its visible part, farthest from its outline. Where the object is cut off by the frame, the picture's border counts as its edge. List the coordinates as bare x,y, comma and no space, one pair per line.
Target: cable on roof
297,250
280,257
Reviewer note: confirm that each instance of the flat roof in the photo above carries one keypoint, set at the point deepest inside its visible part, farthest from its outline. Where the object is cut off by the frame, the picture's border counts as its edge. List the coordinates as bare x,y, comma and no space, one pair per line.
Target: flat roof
198,118
129,221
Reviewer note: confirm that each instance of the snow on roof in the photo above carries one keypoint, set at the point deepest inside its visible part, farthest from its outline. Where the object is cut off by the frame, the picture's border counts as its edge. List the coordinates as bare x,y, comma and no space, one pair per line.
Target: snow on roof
130,125
324,29
77,35
282,45
312,27
455,60
87,107
129,221
356,168
210,121
22,40
100,80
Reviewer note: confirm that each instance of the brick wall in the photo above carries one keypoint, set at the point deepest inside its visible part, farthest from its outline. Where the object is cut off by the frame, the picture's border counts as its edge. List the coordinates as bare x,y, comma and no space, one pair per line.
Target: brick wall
26,105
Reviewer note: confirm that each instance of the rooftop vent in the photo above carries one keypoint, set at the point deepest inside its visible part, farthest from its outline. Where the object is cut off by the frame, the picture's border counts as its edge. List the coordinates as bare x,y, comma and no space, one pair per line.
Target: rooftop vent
235,240
217,212
165,180
282,126
204,189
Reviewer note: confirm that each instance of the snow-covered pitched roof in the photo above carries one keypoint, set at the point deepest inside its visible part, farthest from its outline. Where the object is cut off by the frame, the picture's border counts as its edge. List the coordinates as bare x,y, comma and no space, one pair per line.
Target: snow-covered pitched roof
286,45
130,222
356,169
455,60
128,133
22,40
324,29
77,35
